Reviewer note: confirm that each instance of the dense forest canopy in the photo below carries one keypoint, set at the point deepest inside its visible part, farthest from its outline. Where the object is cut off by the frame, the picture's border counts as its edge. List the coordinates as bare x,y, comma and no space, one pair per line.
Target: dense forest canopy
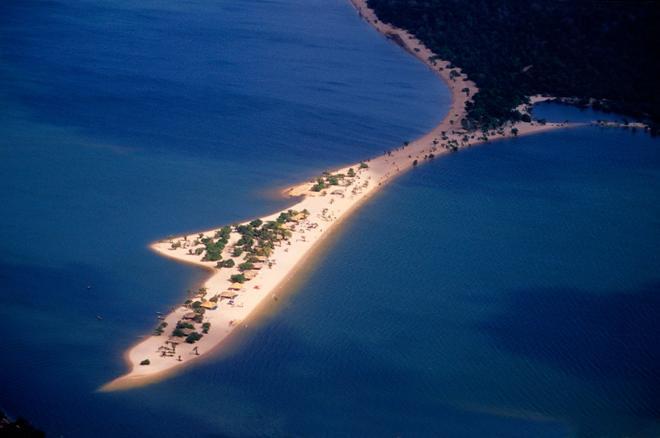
606,50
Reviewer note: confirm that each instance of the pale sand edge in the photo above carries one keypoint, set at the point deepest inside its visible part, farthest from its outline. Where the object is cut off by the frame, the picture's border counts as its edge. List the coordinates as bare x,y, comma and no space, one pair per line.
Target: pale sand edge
382,169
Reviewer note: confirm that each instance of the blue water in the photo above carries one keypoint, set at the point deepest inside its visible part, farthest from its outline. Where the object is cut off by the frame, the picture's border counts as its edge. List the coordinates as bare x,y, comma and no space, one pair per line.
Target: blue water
508,290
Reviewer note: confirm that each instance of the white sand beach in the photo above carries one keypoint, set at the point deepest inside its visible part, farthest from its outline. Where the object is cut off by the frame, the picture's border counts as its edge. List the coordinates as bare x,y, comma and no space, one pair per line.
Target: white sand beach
225,306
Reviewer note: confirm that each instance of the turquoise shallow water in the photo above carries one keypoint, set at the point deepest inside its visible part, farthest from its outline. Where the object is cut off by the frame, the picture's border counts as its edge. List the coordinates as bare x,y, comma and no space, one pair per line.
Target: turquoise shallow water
507,290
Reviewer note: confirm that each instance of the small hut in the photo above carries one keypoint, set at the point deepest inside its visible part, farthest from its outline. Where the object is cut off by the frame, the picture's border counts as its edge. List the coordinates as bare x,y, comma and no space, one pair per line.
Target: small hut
210,305
250,275
230,295
236,286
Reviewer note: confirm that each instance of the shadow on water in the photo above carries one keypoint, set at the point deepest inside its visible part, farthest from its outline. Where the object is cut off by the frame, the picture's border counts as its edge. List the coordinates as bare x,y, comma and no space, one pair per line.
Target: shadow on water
609,339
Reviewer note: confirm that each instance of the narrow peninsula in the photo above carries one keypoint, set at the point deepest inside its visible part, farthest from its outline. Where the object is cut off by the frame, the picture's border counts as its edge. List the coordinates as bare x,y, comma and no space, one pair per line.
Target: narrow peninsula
252,262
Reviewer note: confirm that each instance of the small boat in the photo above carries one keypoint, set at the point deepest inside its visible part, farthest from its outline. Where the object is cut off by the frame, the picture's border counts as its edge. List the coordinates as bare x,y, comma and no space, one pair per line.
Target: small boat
99,317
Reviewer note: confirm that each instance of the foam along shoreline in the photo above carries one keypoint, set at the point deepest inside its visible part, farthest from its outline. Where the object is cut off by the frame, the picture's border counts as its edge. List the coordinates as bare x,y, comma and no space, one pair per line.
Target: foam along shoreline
272,247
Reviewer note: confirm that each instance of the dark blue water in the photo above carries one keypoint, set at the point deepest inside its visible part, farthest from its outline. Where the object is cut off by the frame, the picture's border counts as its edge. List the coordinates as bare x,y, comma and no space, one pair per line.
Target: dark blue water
557,112
508,290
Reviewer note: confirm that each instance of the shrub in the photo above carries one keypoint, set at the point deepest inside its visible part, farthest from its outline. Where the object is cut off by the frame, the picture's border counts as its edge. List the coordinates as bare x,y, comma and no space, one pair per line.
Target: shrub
205,327
286,216
320,185
245,266
363,165
145,362
193,337
160,329
213,252
237,278
245,240
178,333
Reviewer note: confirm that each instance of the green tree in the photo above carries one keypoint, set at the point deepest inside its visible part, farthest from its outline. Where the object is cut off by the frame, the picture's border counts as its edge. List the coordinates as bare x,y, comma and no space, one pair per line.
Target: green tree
246,266
237,278
193,337
178,333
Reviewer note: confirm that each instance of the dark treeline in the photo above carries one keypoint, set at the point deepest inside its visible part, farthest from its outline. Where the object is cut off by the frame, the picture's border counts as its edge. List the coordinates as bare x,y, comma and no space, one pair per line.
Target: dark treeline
607,50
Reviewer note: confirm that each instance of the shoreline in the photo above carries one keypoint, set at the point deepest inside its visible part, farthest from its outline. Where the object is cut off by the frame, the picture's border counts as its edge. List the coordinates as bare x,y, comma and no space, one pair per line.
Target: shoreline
291,241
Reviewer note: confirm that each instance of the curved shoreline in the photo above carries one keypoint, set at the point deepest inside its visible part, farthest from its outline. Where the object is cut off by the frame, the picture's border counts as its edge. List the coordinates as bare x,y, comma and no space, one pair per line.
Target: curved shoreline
326,209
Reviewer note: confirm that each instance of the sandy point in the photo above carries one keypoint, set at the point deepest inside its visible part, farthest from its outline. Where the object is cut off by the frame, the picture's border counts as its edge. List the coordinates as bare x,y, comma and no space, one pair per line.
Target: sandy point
253,264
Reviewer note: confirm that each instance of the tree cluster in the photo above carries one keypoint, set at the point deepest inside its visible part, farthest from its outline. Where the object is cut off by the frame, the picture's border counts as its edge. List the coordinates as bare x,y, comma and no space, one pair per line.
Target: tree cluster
605,50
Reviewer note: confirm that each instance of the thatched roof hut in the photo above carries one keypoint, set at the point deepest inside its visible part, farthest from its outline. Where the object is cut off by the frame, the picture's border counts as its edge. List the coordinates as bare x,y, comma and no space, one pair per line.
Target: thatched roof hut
250,275
228,294
210,305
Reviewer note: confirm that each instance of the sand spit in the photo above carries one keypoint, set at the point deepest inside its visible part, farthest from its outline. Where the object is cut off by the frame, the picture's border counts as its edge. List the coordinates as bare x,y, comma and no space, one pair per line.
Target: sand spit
266,253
